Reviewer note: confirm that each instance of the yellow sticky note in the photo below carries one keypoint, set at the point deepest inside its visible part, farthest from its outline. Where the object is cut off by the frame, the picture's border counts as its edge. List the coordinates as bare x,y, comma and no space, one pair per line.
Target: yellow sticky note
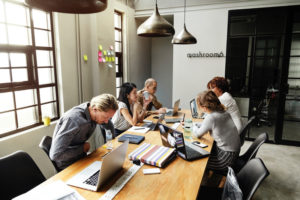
85,57
109,59
104,53
113,59
100,47
106,58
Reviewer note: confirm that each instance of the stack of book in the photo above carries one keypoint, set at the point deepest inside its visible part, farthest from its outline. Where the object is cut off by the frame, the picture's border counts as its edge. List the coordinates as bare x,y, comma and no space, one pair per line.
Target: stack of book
153,154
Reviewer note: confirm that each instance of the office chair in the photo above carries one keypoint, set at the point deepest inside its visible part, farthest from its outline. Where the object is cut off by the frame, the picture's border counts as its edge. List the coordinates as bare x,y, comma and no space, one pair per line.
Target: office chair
45,144
249,179
250,153
246,129
19,174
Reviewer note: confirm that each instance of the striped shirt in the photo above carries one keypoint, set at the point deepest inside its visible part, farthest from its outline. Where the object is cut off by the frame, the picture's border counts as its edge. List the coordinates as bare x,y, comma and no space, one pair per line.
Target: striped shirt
119,120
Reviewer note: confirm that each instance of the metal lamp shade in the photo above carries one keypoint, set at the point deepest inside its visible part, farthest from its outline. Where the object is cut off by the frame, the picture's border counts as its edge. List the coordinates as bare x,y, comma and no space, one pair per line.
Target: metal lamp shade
155,26
184,37
69,6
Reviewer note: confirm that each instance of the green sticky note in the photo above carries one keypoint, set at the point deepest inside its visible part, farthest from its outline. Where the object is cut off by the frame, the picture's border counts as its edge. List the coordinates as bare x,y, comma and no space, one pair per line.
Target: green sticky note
100,47
104,53
85,57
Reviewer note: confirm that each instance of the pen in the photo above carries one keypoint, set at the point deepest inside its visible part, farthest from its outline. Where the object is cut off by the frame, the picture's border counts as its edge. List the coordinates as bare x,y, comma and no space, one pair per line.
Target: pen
138,128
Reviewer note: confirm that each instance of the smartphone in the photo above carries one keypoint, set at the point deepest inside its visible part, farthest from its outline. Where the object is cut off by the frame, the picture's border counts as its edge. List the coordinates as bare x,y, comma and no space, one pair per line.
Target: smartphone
146,95
199,144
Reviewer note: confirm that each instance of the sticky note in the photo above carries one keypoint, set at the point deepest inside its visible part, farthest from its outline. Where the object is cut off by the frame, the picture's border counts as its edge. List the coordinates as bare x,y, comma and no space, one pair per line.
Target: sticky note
113,59
85,57
104,53
99,53
100,60
111,47
100,47
110,65
106,58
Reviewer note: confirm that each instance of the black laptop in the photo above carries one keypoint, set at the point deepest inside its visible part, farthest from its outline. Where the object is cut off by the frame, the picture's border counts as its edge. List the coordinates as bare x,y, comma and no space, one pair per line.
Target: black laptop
186,150
153,125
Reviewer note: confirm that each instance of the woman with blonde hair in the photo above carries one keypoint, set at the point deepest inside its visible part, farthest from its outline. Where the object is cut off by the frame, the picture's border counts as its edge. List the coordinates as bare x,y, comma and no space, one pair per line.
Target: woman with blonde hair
222,128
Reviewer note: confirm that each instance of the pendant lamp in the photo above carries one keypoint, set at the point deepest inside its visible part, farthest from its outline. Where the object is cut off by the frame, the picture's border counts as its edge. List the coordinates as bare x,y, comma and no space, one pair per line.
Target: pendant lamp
155,26
69,6
184,37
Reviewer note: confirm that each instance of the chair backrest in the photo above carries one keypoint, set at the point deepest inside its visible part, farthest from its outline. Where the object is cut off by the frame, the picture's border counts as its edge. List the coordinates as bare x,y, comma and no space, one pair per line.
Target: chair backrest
18,173
251,176
246,129
45,144
253,149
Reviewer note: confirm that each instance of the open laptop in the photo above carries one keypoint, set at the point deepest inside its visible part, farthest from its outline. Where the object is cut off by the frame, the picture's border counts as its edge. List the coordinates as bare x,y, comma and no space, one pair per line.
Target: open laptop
186,150
153,125
174,111
95,175
194,110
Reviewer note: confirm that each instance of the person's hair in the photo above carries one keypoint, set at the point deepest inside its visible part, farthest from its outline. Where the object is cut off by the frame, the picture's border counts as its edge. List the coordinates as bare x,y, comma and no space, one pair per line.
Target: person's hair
149,82
125,90
104,102
219,82
209,100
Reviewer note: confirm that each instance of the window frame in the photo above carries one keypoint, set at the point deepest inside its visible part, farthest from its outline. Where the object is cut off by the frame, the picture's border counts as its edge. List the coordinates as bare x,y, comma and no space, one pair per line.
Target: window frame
32,71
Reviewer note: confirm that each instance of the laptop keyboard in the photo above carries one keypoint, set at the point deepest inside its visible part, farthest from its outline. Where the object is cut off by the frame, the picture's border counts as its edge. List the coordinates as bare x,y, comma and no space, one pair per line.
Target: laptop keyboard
92,180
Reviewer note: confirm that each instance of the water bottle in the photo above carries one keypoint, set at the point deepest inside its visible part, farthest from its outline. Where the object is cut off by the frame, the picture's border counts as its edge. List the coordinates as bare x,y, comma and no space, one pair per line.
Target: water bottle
188,126
109,137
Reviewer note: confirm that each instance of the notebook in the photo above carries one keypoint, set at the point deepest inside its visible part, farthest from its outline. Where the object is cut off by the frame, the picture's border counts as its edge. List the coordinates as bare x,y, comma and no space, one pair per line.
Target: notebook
186,150
152,154
95,175
174,111
194,110
134,139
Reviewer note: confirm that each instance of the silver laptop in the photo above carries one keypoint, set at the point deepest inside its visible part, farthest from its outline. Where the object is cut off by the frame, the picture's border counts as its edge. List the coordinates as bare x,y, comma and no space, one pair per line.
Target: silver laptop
95,175
174,111
194,110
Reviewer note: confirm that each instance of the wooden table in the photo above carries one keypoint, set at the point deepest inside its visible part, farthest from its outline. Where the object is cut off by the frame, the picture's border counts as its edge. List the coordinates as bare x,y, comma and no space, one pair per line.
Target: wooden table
179,180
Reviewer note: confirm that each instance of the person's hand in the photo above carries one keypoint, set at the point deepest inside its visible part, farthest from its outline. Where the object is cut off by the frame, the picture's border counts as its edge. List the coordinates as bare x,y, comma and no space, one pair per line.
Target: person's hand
162,110
86,147
146,102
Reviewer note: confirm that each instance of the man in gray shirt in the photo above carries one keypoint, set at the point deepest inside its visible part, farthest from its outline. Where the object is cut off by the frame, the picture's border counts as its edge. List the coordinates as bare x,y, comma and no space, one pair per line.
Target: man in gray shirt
76,126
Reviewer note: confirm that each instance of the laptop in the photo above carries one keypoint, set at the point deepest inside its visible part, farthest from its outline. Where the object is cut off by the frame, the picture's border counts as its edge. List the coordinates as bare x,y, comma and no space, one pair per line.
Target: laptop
153,125
174,111
96,174
194,110
186,150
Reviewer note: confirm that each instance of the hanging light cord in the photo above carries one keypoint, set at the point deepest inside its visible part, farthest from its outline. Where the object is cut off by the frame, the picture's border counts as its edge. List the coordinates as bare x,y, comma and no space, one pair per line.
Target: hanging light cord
184,12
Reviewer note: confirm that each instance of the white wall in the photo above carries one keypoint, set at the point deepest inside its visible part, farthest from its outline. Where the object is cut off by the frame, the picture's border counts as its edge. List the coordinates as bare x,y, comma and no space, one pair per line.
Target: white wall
210,29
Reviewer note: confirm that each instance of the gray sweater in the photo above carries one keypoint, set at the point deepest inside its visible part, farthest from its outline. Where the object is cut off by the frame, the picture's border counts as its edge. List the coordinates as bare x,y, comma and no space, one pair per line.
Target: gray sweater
72,130
222,129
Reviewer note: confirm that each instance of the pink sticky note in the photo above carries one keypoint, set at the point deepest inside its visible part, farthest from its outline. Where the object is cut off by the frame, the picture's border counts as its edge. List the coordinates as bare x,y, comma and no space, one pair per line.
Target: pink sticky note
100,59
99,53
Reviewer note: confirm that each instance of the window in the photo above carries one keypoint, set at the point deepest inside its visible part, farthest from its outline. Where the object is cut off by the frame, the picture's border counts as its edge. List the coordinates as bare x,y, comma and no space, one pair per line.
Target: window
118,50
28,88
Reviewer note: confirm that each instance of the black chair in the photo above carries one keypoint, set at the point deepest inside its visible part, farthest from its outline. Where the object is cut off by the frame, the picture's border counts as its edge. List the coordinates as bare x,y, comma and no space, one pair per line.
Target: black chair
250,153
249,179
45,144
19,174
246,129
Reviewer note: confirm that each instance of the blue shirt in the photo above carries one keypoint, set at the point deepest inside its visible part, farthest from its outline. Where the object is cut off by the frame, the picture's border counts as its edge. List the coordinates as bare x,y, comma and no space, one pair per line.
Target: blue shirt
71,132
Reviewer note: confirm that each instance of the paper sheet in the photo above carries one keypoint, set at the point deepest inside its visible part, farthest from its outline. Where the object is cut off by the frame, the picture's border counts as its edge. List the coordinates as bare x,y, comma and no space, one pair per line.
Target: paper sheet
138,129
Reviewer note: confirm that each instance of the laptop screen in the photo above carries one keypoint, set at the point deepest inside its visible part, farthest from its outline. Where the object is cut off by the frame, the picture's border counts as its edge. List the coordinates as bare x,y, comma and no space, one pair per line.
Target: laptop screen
172,138
193,107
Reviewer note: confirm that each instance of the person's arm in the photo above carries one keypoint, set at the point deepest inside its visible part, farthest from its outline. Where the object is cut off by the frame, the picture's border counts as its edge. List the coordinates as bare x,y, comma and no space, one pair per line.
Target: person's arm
204,128
61,149
108,126
141,110
157,105
131,119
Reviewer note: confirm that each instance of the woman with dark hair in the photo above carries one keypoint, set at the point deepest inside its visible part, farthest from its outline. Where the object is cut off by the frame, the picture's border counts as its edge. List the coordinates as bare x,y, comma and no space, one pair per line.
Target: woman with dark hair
222,128
220,86
130,112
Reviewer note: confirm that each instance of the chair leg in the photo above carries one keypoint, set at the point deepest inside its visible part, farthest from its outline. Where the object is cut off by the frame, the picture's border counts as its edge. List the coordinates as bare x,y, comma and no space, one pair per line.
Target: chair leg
222,182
